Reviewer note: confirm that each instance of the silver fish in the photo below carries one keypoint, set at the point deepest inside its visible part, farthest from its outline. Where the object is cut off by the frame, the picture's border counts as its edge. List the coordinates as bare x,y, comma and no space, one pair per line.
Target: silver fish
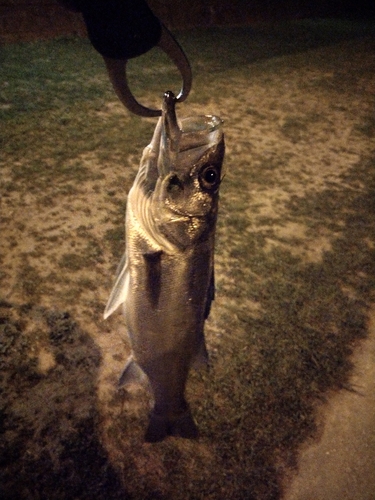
165,281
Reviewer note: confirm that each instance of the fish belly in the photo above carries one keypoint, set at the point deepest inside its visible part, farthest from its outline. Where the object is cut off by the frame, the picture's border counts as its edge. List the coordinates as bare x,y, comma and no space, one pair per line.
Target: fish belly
165,314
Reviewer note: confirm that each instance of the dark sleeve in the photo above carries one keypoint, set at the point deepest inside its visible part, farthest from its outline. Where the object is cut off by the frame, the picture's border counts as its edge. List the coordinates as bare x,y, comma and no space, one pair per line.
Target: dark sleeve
119,29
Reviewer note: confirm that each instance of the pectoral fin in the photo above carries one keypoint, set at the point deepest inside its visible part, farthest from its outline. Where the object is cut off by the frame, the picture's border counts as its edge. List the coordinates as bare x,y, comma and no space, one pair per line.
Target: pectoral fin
120,289
153,276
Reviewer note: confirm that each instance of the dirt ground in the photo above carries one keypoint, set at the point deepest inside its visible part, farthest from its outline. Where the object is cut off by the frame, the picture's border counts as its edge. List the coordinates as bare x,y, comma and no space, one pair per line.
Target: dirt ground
300,163
340,464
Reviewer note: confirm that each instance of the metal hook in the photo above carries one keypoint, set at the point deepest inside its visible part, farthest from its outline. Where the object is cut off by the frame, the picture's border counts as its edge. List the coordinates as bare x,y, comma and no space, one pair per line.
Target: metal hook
117,73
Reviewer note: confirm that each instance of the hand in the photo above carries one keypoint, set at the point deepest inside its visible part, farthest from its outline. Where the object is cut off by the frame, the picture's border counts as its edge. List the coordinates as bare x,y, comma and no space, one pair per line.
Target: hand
122,29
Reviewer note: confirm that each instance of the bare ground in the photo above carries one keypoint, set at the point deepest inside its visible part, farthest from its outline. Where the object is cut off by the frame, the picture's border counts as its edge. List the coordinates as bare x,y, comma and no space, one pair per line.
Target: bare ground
300,160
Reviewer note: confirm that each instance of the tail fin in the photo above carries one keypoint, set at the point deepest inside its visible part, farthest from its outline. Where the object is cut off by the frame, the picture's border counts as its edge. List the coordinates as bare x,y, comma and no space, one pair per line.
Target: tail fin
161,426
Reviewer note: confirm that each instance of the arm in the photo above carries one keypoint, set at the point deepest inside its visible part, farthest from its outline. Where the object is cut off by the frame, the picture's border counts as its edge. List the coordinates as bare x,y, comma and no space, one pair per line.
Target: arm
122,29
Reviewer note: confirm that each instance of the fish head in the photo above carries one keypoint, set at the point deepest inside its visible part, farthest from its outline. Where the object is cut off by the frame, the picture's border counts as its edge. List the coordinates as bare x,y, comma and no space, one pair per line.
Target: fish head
189,163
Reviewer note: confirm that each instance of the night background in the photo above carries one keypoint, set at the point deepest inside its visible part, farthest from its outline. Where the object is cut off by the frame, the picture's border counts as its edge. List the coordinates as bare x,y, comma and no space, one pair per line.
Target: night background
22,20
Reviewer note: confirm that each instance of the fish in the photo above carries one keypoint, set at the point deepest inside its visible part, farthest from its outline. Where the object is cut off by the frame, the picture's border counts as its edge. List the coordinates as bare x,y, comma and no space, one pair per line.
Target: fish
165,280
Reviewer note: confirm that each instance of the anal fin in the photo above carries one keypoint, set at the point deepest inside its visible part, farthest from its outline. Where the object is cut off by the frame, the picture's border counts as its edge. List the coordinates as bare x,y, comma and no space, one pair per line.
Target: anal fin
132,374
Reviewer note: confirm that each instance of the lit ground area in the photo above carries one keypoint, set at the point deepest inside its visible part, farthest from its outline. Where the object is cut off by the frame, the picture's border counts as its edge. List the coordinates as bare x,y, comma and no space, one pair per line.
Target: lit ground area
287,407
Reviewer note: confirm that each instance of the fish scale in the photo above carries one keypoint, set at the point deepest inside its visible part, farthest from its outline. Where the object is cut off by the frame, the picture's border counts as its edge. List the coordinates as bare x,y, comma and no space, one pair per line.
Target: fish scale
165,281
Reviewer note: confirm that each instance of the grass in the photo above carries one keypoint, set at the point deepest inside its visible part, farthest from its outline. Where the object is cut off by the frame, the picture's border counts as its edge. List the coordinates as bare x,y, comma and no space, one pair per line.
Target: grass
294,259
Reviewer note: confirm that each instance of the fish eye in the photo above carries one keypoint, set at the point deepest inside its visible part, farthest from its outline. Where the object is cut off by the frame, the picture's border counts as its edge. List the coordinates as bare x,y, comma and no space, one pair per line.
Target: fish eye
209,177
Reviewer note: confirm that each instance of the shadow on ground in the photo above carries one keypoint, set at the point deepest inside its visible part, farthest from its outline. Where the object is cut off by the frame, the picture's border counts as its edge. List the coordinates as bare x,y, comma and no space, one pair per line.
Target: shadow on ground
265,41
267,382
297,350
50,446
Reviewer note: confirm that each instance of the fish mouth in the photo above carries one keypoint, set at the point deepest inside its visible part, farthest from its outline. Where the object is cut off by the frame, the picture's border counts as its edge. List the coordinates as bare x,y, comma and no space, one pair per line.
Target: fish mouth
170,126
184,142
193,132
200,130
